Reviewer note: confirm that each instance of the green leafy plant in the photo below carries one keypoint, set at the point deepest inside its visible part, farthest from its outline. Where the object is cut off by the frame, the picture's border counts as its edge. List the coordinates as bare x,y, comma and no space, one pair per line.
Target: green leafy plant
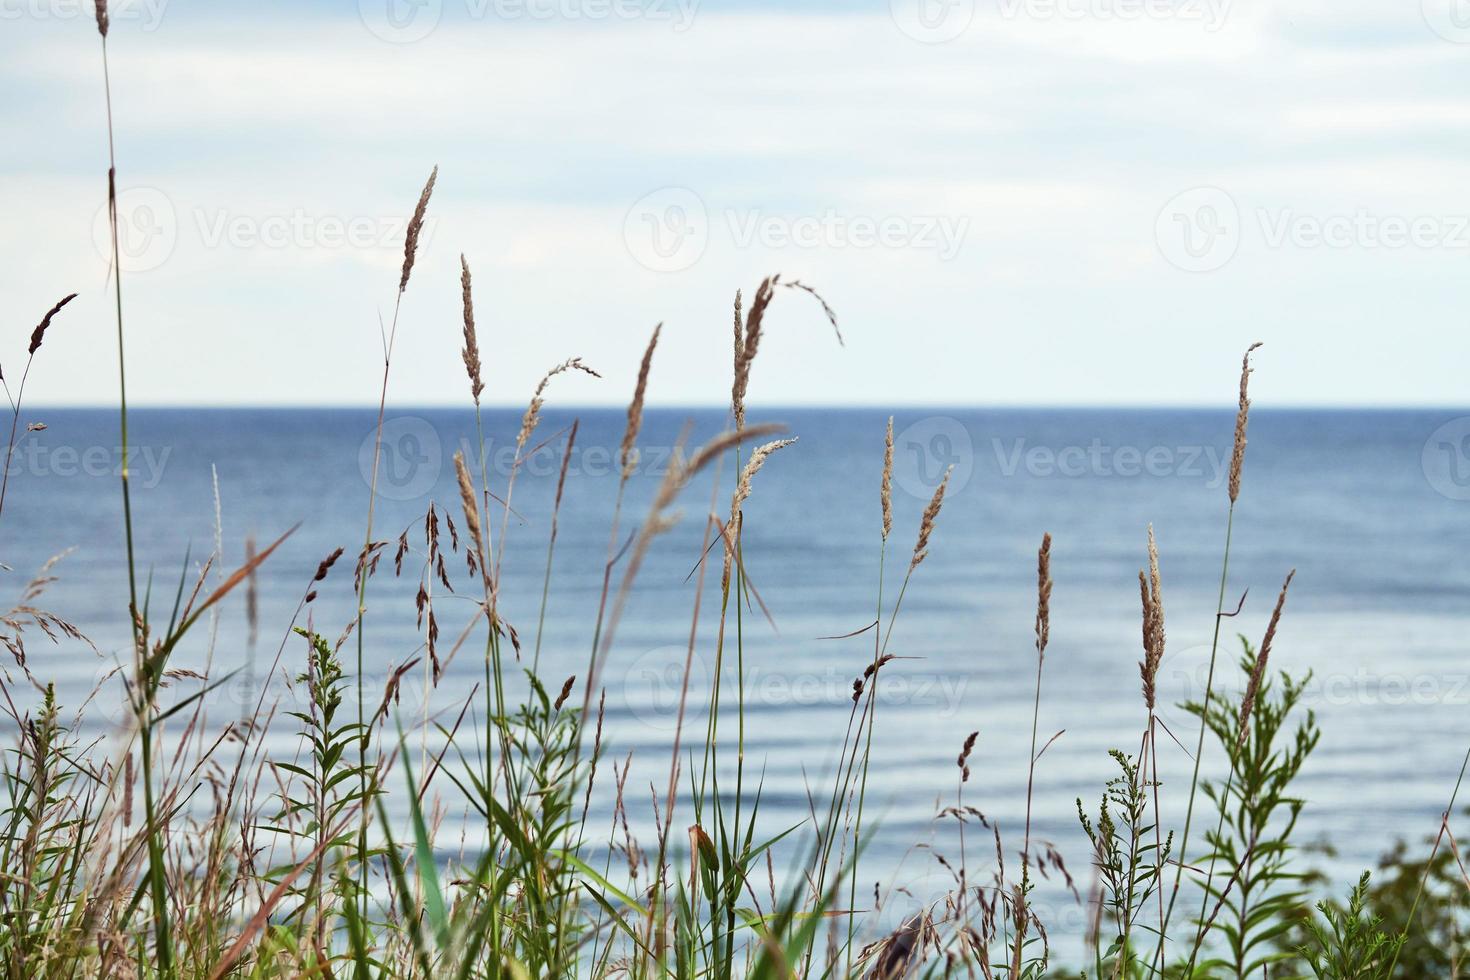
1349,944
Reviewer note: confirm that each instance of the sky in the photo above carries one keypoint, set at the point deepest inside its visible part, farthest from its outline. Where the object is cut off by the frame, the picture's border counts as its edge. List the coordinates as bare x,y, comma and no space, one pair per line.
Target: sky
1098,202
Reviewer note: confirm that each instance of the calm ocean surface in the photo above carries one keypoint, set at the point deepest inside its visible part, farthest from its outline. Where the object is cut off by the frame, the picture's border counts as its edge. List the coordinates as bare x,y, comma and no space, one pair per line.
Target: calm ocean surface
1370,507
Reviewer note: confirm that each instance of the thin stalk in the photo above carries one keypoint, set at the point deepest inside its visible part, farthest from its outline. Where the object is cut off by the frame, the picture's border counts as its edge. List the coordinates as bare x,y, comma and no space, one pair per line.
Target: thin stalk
163,933
867,754
1429,865
1156,964
362,575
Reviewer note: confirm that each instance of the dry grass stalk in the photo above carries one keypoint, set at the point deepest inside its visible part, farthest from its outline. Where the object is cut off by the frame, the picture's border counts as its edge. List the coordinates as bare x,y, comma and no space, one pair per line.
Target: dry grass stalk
471,509
1258,673
926,524
964,757
252,590
629,453
532,418
1043,596
748,344
827,310
1242,416
39,333
471,351
566,690
415,226
886,493
1153,623
742,493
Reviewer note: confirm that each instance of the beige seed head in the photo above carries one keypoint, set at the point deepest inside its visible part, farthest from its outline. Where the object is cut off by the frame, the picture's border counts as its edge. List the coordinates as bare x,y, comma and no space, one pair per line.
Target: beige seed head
1242,416
629,453
926,524
471,508
1153,622
886,491
753,466
533,411
747,345
415,226
471,352
1258,672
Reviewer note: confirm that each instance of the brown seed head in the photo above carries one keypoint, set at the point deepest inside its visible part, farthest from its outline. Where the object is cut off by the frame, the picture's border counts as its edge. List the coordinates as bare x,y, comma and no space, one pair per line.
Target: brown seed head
629,454
886,490
1242,416
566,690
1043,595
415,226
1258,672
326,565
471,352
102,17
965,752
38,334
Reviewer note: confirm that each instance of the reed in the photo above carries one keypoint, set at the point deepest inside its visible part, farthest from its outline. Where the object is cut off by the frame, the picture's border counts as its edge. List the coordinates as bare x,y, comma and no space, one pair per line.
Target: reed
187,846
1237,464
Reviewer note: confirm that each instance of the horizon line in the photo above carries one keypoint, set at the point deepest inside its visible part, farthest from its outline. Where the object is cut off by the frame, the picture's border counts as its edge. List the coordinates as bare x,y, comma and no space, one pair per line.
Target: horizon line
778,407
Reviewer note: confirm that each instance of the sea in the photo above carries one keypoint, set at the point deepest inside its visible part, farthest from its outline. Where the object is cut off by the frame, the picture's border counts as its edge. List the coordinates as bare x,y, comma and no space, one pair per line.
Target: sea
1371,508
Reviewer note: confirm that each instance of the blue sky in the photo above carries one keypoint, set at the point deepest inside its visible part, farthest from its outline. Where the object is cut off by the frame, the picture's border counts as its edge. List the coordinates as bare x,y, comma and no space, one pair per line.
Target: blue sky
1007,201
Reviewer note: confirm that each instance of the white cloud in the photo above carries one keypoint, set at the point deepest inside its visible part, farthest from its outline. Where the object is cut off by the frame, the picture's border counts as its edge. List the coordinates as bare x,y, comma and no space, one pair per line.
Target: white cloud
1042,146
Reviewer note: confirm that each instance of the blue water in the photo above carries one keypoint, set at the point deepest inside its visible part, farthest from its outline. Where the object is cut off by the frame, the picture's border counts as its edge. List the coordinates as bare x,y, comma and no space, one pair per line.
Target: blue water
1367,506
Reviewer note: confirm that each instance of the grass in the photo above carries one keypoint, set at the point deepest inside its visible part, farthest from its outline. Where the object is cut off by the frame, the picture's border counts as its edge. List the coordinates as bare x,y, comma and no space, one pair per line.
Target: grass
239,863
